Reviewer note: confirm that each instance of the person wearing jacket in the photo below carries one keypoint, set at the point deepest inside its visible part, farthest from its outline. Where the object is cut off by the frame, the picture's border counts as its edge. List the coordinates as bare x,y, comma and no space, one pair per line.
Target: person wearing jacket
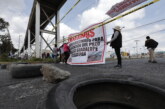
116,43
151,44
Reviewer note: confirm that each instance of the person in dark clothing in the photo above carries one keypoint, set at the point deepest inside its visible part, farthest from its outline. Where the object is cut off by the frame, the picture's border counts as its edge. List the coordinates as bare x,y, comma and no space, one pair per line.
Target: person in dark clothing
116,43
151,44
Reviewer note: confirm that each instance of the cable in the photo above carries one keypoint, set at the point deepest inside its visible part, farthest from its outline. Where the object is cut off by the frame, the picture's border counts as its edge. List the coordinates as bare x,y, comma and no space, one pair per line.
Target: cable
118,17
145,35
66,14
145,25
141,26
87,6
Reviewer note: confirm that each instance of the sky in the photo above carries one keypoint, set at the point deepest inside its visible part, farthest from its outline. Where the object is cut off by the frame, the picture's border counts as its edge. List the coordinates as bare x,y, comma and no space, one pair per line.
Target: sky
88,12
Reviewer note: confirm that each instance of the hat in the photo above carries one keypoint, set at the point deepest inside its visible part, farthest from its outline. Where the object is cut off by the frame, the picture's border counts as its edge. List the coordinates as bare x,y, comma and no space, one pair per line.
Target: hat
117,28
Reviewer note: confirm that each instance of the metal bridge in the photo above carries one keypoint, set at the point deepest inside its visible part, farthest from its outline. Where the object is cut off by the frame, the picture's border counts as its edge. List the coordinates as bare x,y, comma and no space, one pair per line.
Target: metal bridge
43,11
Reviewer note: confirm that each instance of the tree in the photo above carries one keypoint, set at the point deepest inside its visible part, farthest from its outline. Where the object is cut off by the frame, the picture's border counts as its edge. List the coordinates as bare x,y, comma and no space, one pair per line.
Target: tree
3,24
6,45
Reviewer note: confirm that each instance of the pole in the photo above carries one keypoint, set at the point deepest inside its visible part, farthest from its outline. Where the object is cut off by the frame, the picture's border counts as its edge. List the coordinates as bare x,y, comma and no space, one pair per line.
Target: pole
57,29
29,49
19,45
137,47
63,39
37,30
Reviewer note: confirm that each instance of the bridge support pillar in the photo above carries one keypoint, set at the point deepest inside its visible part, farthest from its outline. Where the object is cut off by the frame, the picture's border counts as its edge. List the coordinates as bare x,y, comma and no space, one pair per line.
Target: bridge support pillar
37,31
57,29
29,48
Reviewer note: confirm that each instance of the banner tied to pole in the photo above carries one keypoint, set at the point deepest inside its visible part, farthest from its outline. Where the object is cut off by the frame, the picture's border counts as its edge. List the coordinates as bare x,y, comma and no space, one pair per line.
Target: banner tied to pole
123,6
87,47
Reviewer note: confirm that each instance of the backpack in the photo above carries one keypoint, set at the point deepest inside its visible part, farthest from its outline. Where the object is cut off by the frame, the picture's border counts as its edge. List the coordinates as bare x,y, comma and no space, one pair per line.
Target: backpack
154,44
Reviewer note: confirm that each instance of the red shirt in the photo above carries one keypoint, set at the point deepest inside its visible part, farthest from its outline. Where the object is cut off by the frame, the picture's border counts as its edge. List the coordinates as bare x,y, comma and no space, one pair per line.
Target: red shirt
66,48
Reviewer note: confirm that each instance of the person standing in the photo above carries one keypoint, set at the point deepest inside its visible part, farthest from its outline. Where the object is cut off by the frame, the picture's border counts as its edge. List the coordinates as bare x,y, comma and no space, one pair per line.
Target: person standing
151,45
55,51
61,51
116,43
66,52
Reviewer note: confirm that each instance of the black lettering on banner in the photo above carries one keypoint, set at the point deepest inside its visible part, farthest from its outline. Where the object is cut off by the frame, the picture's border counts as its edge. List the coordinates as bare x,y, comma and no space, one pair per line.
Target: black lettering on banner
80,47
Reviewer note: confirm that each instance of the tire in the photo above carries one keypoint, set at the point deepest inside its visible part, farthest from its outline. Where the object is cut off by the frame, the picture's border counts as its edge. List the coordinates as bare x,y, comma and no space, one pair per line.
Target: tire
105,90
3,66
25,70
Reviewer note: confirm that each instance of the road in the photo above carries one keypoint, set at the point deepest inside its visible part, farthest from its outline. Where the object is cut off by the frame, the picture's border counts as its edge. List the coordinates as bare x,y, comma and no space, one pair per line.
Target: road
31,93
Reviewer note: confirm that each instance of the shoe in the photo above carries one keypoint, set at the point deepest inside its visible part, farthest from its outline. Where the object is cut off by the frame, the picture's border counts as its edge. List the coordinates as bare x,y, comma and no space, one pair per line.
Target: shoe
149,61
154,62
117,66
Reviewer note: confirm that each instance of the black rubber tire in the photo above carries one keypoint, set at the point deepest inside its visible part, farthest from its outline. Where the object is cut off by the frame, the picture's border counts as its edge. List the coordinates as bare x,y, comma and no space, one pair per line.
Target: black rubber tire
62,95
3,66
25,71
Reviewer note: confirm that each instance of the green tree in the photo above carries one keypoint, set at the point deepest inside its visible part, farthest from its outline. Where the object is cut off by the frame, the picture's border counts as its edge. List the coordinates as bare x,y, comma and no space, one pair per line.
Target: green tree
6,45
3,24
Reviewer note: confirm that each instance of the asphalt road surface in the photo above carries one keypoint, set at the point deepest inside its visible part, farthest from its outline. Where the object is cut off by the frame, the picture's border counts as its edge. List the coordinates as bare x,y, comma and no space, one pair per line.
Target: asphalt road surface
31,93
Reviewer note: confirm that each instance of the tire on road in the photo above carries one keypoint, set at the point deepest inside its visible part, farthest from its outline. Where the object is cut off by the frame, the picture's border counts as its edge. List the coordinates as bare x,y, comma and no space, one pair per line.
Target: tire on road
3,66
105,91
25,70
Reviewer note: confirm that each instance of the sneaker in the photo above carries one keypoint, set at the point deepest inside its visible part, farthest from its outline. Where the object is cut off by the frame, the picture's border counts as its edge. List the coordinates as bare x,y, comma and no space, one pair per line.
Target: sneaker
154,62
117,66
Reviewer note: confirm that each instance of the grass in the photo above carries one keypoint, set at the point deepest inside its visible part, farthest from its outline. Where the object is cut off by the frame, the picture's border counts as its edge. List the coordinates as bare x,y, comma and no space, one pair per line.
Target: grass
6,60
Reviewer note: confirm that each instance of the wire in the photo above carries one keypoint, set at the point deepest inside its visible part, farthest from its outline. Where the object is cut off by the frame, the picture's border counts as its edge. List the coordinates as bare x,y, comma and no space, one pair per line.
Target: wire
145,35
86,7
145,25
118,17
142,25
66,14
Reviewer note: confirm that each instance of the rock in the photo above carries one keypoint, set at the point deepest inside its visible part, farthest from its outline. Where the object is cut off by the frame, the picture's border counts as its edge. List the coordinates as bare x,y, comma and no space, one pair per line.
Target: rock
53,74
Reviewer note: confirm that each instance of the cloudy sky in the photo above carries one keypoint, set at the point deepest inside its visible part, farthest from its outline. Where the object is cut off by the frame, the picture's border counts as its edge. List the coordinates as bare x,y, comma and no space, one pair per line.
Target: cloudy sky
88,12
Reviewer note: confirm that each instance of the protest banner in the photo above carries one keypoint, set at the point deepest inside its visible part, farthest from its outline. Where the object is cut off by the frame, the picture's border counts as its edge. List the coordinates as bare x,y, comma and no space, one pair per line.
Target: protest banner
123,6
87,47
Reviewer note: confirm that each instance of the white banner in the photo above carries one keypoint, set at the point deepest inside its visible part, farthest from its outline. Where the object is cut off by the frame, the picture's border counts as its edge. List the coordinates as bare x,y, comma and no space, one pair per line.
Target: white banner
87,48
123,6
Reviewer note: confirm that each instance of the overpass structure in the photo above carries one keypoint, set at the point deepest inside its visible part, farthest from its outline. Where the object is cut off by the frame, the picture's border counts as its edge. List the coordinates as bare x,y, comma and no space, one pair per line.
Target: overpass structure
42,13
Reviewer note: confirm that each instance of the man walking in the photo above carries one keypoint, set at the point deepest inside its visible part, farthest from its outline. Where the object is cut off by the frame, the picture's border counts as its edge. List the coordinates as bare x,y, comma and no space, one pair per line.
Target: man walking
116,43
151,44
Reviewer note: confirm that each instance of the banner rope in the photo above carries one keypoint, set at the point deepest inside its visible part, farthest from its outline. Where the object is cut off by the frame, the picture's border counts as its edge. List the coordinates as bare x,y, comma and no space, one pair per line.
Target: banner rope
116,18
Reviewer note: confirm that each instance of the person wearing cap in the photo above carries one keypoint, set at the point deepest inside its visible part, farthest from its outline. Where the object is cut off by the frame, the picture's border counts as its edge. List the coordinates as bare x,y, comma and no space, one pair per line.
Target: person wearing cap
151,44
116,43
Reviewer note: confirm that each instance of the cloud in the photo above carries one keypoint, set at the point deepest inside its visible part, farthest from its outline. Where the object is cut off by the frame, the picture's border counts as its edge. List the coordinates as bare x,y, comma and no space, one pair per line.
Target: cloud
96,14
13,12
66,30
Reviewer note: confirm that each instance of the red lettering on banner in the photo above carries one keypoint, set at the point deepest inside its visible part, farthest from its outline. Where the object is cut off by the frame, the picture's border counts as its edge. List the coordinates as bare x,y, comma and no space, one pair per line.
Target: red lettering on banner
123,6
87,34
